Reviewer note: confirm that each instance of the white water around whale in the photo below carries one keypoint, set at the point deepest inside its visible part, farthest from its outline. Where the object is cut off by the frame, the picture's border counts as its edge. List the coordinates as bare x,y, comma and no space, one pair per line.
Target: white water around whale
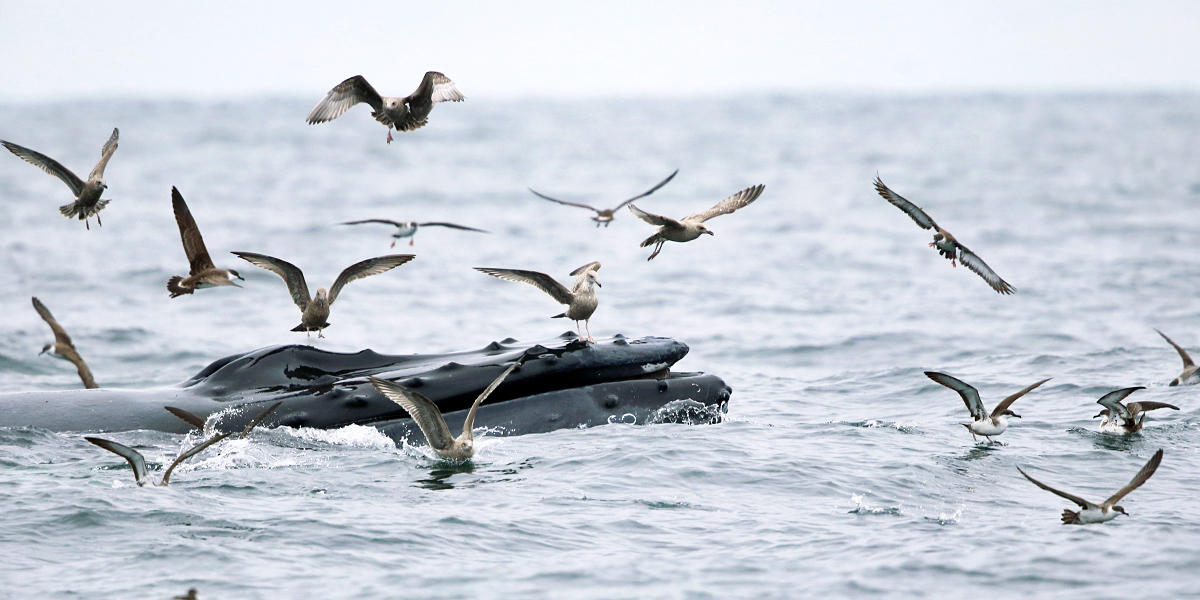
840,469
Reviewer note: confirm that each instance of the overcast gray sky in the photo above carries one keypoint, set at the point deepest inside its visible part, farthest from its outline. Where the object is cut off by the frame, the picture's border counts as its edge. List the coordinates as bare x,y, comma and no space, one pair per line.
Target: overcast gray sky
70,50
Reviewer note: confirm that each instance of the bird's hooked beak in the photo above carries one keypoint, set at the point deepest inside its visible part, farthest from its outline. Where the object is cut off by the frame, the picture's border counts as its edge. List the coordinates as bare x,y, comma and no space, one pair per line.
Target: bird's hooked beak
1099,414
597,283
709,232
1120,510
1013,414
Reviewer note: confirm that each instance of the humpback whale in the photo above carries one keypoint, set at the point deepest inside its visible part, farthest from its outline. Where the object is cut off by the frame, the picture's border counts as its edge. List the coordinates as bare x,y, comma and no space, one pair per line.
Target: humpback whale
561,383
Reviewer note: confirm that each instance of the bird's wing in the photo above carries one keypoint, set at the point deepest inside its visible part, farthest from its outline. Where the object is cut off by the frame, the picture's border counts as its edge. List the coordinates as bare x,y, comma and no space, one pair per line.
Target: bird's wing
366,268
1005,403
541,281
647,192
1187,360
48,165
85,374
258,419
451,226
469,423
564,202
1084,504
194,450
60,334
974,263
291,275
654,219
592,266
421,409
133,457
342,97
969,394
1141,477
1112,401
923,220
188,417
384,221
438,88
729,204
1141,407
105,153
189,232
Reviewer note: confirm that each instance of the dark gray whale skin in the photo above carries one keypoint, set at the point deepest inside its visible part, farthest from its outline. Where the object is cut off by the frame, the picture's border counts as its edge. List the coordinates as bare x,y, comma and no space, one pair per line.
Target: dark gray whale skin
562,383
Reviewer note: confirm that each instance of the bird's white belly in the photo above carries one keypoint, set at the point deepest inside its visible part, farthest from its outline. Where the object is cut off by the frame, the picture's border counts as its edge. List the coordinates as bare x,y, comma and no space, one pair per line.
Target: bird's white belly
1111,426
987,427
680,235
1190,378
1095,515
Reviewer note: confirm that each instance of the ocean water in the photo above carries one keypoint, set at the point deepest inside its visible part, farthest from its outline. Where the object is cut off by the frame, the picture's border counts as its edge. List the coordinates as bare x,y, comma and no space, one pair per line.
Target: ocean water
840,470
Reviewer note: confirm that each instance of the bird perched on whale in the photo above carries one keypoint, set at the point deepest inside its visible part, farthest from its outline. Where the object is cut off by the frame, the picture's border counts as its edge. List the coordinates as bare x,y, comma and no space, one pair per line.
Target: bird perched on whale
314,310
202,273
1105,511
87,193
1123,418
1190,373
692,226
409,229
984,424
427,416
580,299
604,216
946,244
403,113
62,346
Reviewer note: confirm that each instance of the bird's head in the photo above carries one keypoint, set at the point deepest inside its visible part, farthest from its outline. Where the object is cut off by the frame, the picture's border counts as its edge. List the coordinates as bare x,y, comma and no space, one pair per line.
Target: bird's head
1102,413
392,103
103,185
47,348
321,293
1012,414
704,229
1121,510
591,277
937,237
234,275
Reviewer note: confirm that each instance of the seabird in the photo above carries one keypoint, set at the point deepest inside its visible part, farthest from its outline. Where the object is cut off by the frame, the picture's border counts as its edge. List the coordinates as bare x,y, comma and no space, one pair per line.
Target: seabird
1106,511
62,347
946,244
604,216
87,193
1189,375
202,272
409,229
580,300
430,420
984,424
315,310
402,113
692,226
1123,418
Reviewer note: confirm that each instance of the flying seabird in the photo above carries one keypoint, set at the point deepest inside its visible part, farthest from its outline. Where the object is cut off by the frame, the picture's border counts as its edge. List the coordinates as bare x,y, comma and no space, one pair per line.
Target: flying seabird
1123,418
985,424
580,300
692,226
1106,511
409,229
315,310
62,347
87,193
402,113
430,420
946,244
604,216
138,462
1190,372
202,272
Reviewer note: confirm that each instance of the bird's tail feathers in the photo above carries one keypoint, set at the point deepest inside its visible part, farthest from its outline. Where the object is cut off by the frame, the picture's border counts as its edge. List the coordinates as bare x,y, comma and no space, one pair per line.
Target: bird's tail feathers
650,240
559,316
73,209
176,289
1070,517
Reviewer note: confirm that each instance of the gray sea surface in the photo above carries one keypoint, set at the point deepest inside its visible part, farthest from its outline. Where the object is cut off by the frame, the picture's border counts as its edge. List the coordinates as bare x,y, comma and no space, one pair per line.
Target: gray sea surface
840,469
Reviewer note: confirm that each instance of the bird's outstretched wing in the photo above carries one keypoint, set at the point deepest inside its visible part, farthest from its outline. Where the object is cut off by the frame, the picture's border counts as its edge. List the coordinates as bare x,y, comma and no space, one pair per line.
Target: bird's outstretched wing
342,97
1007,402
923,220
259,419
187,416
105,154
969,394
85,374
564,202
366,268
189,232
1187,360
649,191
1112,401
469,423
976,264
729,204
135,459
541,281
592,266
1084,504
48,165
451,226
438,88
194,450
383,221
60,334
654,219
1141,477
1140,407
422,410
291,275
